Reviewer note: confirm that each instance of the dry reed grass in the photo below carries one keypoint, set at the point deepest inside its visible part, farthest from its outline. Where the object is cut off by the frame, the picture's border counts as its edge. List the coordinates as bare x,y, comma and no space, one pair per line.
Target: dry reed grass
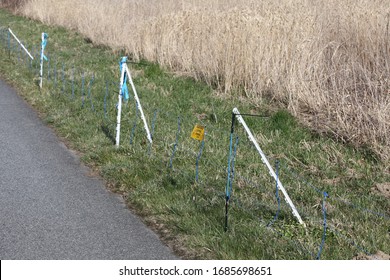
11,4
329,61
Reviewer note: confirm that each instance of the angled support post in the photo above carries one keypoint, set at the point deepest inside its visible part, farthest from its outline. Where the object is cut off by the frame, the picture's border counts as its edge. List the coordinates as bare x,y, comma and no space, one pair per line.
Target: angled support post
266,162
20,43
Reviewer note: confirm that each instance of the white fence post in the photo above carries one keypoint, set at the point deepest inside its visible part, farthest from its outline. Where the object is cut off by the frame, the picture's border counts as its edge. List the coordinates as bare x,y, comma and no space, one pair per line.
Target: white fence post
125,72
43,57
266,162
118,118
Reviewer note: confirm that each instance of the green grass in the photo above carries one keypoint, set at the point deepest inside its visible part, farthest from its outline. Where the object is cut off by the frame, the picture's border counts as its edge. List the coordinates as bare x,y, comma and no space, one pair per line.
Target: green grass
189,215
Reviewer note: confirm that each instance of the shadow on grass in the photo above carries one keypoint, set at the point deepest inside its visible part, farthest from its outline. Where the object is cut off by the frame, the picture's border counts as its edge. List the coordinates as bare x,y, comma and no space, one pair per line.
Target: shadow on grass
106,130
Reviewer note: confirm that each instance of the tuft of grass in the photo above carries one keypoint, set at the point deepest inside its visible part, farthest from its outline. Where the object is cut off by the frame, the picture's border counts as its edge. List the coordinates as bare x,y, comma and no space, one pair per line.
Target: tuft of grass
158,181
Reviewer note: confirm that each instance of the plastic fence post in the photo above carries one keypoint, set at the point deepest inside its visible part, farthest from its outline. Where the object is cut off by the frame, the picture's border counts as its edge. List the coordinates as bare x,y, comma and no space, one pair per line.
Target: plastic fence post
232,164
324,224
227,189
43,57
197,161
89,91
122,90
176,142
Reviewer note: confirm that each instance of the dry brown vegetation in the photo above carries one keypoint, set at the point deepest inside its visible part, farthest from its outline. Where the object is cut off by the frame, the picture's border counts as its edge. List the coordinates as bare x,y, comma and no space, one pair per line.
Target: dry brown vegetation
11,4
328,61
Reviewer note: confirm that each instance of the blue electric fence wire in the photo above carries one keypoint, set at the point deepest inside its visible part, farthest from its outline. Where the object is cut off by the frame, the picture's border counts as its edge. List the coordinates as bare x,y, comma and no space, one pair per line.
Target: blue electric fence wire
350,241
21,58
325,226
176,142
381,215
298,245
197,161
276,194
89,91
227,190
300,178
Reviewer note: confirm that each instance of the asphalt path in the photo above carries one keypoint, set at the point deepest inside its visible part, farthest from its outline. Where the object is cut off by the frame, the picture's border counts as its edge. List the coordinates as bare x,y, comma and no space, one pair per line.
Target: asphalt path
50,208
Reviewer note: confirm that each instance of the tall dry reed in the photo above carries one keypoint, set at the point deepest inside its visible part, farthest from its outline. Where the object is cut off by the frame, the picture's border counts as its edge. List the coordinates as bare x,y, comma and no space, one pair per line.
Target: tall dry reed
329,61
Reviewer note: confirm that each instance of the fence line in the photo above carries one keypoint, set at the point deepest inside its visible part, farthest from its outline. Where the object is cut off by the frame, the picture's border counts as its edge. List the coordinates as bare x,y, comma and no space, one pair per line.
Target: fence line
101,95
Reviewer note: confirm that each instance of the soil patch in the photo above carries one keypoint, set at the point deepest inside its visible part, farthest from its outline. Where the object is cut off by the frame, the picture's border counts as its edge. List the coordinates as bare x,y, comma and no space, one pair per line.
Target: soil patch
383,189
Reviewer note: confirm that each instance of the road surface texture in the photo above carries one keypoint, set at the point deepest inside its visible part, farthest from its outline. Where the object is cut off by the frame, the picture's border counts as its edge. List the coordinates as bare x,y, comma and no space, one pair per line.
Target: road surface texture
50,208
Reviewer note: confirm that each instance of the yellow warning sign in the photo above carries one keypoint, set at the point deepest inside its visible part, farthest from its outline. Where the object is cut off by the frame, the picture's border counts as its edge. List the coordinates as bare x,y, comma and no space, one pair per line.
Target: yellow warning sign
198,132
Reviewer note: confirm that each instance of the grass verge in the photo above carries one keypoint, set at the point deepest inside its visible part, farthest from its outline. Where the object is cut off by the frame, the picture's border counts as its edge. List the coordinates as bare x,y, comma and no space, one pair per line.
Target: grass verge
177,185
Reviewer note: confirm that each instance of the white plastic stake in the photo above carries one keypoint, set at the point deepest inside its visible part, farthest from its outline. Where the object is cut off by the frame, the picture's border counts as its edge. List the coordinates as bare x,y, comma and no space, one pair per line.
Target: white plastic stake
24,48
118,118
265,161
148,135
42,56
